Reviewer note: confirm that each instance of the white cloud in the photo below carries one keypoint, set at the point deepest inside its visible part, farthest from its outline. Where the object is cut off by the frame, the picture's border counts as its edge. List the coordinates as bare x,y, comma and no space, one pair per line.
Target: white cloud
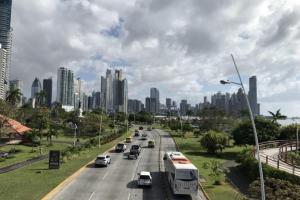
180,47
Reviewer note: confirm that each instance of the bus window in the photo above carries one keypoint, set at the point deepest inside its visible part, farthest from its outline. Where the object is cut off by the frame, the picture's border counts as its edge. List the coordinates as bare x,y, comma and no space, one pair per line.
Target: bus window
186,175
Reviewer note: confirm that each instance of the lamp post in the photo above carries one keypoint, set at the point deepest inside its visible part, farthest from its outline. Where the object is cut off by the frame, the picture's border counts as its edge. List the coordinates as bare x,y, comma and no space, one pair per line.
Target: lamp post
75,134
262,186
297,137
100,128
180,121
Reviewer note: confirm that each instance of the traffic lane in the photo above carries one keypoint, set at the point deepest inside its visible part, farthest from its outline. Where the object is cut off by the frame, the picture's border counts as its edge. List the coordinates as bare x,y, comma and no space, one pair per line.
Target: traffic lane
168,144
149,162
101,181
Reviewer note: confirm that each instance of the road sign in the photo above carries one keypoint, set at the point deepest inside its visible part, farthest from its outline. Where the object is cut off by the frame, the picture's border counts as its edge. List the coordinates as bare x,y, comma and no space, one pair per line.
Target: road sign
54,159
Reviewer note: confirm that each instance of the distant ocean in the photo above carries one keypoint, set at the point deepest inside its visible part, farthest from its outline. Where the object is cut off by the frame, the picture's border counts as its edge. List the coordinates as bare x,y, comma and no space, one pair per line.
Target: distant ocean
288,121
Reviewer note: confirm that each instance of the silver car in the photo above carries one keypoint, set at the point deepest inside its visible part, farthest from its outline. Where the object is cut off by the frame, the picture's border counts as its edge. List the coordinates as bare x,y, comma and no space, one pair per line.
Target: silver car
144,179
102,160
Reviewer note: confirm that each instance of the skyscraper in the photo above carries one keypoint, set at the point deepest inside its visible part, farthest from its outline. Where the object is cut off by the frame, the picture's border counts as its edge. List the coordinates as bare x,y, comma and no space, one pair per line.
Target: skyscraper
183,107
47,87
123,104
35,88
3,81
168,103
253,95
65,86
154,94
5,37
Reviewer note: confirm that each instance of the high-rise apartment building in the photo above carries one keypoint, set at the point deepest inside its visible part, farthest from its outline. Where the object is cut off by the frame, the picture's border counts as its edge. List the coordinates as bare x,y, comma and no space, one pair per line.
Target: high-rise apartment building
155,104
183,107
114,92
47,88
3,80
134,106
65,87
35,88
253,95
5,37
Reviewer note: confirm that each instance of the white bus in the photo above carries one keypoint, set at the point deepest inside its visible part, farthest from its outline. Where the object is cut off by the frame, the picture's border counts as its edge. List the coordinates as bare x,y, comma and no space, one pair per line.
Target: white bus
182,175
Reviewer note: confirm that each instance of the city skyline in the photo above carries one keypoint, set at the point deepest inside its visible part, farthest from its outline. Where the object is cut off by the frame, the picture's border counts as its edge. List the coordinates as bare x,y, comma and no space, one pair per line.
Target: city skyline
191,67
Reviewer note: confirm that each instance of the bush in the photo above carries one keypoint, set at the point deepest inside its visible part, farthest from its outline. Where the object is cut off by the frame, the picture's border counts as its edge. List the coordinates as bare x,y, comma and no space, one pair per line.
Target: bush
266,130
275,189
214,141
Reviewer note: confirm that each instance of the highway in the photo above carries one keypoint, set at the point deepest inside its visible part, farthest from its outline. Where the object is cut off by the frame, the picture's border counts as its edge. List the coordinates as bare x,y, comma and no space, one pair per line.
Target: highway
118,180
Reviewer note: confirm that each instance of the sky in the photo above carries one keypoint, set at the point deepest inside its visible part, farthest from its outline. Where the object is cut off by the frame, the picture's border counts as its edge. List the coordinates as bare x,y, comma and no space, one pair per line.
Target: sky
181,47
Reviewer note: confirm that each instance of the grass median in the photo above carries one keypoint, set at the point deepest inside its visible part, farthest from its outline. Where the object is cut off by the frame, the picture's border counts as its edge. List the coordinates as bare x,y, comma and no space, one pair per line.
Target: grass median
35,181
190,146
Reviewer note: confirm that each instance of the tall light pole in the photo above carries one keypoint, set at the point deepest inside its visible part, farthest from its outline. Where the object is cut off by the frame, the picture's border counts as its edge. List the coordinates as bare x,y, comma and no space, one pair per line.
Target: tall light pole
262,185
100,129
297,137
75,134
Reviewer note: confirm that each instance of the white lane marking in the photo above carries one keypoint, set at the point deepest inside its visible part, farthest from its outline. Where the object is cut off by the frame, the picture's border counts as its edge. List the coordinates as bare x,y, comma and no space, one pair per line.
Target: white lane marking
91,195
105,175
128,196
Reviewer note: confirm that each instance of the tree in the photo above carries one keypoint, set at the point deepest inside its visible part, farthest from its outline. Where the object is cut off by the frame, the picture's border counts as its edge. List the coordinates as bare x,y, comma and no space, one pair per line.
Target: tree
277,116
52,131
214,141
266,130
40,96
13,96
288,132
40,121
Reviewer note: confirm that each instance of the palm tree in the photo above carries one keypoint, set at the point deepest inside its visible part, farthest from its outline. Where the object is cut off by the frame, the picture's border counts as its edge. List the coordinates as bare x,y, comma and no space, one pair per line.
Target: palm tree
40,96
276,116
13,96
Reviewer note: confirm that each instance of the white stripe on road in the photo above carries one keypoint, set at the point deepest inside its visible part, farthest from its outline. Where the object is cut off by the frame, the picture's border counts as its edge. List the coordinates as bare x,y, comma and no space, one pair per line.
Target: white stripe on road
91,195
105,175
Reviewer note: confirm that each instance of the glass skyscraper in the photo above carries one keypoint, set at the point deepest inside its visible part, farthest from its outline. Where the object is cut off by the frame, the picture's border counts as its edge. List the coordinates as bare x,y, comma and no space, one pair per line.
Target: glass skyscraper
5,36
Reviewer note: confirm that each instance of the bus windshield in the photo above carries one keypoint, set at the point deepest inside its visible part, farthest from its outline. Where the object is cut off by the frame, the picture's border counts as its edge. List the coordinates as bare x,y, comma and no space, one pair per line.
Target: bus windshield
186,175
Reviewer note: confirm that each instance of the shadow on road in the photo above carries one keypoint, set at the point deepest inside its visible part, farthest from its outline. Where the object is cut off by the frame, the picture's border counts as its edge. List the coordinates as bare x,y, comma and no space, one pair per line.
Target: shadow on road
132,184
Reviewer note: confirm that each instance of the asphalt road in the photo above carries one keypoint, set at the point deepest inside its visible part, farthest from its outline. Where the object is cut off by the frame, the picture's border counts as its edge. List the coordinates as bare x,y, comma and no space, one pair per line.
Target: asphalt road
118,180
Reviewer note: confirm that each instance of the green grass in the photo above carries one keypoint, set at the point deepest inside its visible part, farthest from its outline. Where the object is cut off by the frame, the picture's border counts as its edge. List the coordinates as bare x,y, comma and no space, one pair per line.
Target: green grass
35,181
190,146
27,153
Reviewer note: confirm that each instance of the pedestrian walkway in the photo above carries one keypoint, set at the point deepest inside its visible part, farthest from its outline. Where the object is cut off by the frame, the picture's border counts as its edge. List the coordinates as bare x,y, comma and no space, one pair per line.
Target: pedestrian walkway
271,157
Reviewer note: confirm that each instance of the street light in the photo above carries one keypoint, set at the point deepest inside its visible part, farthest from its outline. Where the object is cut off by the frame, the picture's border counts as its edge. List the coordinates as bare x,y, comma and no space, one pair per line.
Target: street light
73,126
297,138
262,186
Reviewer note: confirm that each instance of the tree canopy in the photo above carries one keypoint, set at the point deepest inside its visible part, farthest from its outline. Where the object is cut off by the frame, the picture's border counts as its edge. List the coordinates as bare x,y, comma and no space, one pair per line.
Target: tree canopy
214,141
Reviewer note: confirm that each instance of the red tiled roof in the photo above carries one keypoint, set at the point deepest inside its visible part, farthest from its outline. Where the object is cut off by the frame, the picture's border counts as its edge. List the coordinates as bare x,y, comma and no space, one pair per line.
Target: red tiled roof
15,125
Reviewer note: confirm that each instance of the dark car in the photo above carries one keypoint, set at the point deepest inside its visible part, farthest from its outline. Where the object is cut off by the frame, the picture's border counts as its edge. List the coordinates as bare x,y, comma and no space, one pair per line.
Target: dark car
136,133
135,149
132,155
141,128
3,154
120,147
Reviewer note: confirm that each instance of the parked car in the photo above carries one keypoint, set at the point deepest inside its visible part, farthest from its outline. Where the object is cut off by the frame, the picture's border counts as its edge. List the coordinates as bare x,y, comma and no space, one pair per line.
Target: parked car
121,147
132,155
144,179
102,160
151,144
136,149
3,154
128,140
141,128
144,136
136,133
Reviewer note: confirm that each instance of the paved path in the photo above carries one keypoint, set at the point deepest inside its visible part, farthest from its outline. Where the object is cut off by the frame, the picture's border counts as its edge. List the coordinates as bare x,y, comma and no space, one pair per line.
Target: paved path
22,164
272,154
118,180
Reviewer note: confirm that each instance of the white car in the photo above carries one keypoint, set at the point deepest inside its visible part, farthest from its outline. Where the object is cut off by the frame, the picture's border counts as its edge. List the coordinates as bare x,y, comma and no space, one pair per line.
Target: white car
144,179
102,160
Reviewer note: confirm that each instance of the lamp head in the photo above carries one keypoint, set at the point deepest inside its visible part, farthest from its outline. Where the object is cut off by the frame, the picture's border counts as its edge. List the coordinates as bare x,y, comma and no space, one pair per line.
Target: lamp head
224,82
